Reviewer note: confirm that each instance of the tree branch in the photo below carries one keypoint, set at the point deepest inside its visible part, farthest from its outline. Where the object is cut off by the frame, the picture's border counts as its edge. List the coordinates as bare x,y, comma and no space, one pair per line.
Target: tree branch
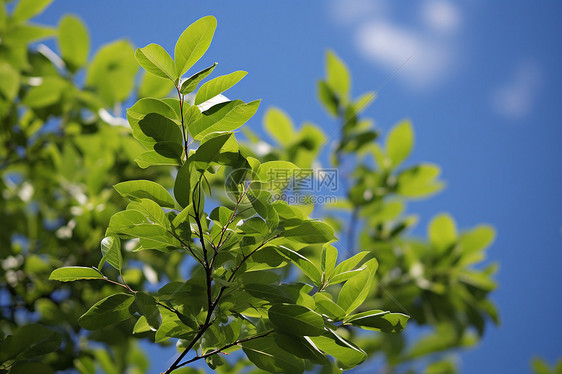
225,347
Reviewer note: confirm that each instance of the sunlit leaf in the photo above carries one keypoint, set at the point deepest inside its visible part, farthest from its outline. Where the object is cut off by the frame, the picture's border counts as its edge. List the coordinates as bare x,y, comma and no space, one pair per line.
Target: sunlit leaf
111,310
217,86
193,43
73,273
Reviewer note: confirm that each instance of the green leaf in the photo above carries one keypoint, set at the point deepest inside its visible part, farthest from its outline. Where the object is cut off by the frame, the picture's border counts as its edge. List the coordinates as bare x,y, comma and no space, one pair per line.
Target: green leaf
325,305
23,34
186,180
254,226
279,125
296,319
74,42
474,242
347,353
419,181
145,189
442,231
152,158
141,326
72,273
111,252
154,86
193,43
147,106
441,367
147,307
218,85
302,262
155,129
443,337
363,102
311,232
328,98
399,142
276,173
10,79
267,355
301,347
192,82
337,75
219,149
29,342
226,116
154,59
27,9
112,72
106,312
379,320
328,259
349,264
48,93
137,224
357,288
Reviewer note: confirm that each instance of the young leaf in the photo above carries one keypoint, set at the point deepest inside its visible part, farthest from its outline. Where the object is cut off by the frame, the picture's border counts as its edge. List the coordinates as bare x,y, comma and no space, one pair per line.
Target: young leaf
74,42
192,82
419,181
356,289
328,259
345,269
193,43
72,273
442,231
296,319
111,310
145,189
26,9
154,59
111,252
328,98
399,142
217,86
337,75
278,124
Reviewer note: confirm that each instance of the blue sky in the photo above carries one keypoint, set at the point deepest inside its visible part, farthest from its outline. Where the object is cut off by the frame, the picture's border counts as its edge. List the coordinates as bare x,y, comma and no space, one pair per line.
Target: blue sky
482,84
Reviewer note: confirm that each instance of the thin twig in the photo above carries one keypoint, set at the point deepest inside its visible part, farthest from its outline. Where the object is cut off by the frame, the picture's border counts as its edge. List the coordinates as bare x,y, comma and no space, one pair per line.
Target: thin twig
223,348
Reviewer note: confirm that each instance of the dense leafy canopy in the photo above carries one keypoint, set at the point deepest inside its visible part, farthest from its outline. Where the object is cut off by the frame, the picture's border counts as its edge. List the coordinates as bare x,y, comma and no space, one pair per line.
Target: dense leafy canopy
232,268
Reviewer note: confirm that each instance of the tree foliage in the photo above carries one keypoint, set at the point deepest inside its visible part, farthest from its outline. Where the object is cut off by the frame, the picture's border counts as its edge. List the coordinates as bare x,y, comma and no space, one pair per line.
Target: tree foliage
190,244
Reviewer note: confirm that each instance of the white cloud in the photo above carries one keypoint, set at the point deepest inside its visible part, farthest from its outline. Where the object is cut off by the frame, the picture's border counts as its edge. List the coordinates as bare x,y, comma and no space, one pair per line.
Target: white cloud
346,11
441,15
421,53
516,98
421,61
